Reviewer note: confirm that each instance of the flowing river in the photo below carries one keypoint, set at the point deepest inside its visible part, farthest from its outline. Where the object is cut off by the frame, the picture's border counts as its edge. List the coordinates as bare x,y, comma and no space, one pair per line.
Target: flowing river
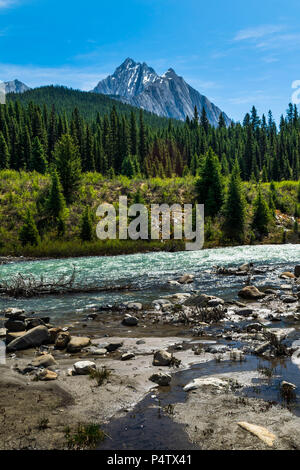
147,276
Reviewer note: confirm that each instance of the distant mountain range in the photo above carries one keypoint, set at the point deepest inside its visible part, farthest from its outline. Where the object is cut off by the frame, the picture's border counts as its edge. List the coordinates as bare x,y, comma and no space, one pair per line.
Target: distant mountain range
167,95
139,85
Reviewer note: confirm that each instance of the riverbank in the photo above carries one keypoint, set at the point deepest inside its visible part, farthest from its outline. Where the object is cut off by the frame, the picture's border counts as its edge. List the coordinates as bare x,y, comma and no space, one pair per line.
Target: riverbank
221,362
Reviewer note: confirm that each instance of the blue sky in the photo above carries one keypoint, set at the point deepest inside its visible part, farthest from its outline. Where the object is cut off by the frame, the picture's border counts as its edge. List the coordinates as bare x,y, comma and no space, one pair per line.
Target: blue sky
237,53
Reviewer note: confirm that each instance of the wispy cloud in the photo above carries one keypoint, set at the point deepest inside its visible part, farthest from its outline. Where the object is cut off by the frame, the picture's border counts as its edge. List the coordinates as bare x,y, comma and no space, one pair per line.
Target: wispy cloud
258,32
268,37
84,78
7,3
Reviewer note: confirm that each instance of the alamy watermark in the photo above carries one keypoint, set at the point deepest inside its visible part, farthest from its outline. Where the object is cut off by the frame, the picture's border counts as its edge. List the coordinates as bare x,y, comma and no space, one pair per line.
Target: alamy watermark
296,93
160,223
2,353
2,92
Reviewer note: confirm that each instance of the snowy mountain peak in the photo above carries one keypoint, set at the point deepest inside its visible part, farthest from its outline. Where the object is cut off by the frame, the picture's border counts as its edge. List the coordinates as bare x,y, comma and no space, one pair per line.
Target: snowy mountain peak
128,80
167,95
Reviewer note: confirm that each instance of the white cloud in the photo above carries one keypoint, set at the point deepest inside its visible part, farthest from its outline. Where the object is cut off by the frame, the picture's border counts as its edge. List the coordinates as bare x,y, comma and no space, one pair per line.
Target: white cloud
258,32
84,78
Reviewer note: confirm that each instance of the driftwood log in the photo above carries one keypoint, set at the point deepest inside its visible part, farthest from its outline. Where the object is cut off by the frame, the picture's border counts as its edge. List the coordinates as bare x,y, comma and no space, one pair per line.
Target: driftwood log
29,286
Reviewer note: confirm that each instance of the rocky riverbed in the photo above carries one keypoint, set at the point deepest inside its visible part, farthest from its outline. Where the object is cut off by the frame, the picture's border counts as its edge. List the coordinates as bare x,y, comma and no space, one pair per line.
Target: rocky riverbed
184,370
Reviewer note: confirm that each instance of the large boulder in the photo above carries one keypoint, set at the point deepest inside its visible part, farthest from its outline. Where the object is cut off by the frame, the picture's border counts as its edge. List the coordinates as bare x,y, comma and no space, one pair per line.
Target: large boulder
10,336
162,358
31,339
77,343
251,293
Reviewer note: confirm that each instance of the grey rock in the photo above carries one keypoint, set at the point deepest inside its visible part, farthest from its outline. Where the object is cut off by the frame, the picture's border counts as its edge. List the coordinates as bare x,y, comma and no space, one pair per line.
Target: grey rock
98,351
244,312
297,270
33,322
46,360
32,338
288,299
162,358
127,356
163,380
251,292
83,367
14,326
130,321
134,306
254,327
113,346
217,348
77,343
215,302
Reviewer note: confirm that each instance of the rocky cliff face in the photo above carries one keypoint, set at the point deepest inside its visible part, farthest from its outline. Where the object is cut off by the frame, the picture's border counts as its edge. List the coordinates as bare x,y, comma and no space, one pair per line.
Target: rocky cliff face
167,95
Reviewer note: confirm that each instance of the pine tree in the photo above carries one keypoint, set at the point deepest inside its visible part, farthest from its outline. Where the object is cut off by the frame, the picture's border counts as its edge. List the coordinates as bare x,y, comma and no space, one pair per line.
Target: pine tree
4,153
261,215
67,158
38,160
209,185
86,230
56,204
204,122
29,233
235,207
298,192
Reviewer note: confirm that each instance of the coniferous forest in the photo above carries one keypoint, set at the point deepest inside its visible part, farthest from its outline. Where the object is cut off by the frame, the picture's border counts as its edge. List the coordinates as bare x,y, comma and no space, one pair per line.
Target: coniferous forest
59,143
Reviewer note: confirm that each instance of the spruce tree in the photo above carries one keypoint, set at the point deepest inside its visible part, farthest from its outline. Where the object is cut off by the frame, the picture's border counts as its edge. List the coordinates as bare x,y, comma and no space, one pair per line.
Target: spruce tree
86,229
261,215
67,158
235,207
4,153
56,204
209,186
38,158
29,233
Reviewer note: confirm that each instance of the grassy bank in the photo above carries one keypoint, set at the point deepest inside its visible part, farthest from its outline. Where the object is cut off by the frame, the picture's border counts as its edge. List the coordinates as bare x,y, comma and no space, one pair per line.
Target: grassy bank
19,191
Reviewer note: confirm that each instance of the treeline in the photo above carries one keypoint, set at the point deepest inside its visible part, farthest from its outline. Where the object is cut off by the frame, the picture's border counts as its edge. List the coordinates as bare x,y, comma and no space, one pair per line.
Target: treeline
119,143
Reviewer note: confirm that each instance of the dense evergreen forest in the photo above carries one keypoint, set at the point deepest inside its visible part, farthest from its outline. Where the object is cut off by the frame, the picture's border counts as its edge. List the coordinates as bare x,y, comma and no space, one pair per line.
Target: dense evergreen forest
123,140
57,164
